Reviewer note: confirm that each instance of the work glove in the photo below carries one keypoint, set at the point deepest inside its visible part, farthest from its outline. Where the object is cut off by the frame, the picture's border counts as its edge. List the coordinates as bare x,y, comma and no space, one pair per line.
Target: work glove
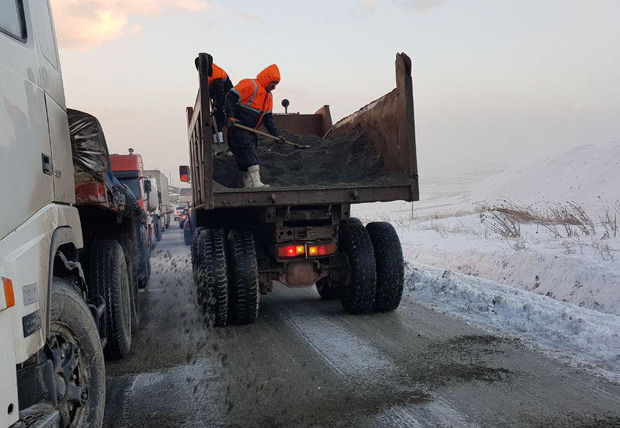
231,122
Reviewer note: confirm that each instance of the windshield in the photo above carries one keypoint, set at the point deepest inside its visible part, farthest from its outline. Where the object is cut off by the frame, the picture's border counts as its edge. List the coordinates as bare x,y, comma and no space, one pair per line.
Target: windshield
133,184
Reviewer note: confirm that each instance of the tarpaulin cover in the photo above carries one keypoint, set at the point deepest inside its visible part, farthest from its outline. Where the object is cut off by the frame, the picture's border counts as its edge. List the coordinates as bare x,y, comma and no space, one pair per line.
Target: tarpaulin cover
90,151
91,155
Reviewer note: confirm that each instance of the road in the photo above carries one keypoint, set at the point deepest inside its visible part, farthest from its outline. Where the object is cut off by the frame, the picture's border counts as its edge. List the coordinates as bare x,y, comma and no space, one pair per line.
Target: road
307,363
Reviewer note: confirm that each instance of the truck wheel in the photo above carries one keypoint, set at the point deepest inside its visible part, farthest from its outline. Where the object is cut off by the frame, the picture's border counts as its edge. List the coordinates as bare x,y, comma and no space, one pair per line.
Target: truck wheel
107,276
358,291
353,221
194,248
212,277
390,266
146,267
187,234
243,290
158,230
77,358
129,249
326,290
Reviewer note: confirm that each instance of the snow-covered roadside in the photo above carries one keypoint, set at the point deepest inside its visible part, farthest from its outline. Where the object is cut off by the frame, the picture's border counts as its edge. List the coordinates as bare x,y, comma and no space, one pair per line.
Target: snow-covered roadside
562,269
578,336
529,245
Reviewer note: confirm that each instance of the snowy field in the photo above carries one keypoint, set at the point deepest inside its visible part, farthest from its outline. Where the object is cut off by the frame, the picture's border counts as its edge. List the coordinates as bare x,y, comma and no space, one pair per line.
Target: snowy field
530,250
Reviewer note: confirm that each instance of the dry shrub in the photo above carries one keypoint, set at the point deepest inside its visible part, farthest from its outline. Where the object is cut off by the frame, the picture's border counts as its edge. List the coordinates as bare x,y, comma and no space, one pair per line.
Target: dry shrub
502,224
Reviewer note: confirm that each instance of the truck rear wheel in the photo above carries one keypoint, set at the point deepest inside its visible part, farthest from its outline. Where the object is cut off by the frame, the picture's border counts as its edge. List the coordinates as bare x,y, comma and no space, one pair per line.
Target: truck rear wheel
158,230
212,277
194,248
187,233
326,290
243,290
107,276
129,249
75,351
390,266
357,293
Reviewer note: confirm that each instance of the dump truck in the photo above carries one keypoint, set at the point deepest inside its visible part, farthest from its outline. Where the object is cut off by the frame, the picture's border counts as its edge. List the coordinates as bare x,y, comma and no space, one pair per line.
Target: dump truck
162,208
66,265
247,240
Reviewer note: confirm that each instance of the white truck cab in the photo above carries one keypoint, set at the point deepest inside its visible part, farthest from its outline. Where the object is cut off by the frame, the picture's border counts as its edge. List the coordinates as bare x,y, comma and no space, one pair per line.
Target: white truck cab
39,227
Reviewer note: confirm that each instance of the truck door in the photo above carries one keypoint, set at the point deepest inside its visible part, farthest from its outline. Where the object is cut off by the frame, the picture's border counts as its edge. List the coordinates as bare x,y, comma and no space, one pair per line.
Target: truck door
51,82
25,152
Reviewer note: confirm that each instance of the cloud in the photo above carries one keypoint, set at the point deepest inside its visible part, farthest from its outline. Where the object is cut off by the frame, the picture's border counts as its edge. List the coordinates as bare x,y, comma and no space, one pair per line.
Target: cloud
84,23
420,5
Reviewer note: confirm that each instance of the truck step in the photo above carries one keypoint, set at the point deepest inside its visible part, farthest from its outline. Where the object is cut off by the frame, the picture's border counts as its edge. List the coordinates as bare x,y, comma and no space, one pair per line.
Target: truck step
38,416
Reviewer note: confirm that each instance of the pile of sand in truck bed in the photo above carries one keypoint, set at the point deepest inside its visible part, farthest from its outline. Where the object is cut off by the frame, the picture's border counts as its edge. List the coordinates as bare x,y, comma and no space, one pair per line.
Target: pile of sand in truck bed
344,160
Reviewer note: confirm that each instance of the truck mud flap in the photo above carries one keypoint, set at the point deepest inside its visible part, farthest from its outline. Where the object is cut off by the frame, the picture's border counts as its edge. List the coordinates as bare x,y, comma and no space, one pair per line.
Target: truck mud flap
97,307
38,416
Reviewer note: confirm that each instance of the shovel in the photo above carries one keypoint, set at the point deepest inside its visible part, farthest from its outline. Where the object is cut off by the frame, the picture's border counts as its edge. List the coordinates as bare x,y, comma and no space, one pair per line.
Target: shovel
264,134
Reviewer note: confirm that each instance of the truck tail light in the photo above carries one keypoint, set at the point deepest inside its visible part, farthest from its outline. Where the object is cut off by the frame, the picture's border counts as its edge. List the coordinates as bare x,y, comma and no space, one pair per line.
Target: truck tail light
9,296
291,251
321,250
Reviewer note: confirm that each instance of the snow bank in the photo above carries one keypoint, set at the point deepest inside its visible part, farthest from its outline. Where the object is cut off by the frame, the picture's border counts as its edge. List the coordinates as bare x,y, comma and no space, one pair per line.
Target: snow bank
578,336
586,175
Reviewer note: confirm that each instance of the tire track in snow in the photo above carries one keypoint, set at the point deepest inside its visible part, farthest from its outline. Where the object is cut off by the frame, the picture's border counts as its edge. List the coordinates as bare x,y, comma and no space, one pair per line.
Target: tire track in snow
356,360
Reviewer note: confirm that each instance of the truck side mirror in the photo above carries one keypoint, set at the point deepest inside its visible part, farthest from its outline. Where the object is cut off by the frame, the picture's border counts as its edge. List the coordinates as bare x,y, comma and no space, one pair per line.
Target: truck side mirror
147,186
184,173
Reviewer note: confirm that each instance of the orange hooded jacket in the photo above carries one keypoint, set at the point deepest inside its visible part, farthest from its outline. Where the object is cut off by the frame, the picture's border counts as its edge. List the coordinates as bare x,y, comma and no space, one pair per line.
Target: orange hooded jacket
250,103
218,73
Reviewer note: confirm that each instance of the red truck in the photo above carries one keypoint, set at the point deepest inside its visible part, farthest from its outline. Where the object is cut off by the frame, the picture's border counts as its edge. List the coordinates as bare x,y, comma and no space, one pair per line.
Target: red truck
129,170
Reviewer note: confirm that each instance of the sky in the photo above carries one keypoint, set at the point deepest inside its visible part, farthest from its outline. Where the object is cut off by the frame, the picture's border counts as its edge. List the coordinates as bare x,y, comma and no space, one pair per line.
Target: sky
495,81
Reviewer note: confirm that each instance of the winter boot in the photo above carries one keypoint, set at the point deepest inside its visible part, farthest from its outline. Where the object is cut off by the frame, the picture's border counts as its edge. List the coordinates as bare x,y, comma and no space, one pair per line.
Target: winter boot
254,171
247,181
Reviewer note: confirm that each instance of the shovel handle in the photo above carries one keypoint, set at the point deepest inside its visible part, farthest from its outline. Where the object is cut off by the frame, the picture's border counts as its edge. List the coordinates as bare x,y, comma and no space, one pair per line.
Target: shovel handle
264,134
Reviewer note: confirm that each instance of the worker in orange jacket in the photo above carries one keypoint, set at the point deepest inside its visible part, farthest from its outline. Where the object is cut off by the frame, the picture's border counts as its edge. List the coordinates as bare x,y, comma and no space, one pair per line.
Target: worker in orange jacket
250,103
219,85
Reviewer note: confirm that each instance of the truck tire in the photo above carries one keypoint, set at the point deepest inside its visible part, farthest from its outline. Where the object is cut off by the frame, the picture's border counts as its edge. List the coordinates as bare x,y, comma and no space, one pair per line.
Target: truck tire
390,266
243,289
107,276
194,248
326,290
187,234
72,329
357,293
131,258
146,267
212,277
353,221
158,230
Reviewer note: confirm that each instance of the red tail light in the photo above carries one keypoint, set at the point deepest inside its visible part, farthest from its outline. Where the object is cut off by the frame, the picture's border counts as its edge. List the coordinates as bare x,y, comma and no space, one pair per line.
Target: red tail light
291,251
321,250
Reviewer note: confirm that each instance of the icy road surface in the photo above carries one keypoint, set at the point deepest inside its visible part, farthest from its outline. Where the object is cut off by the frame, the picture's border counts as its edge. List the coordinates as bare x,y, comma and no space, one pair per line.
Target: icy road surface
307,363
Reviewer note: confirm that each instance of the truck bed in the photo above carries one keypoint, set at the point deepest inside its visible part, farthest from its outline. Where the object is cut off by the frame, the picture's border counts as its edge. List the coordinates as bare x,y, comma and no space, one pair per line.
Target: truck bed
385,125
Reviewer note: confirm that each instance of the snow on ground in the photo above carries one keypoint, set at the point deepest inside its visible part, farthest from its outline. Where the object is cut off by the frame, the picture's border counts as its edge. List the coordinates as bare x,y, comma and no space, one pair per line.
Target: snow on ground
589,175
578,336
547,267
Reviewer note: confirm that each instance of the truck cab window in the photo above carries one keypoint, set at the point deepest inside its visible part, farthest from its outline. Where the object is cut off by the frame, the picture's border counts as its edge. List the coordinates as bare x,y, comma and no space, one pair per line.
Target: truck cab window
12,19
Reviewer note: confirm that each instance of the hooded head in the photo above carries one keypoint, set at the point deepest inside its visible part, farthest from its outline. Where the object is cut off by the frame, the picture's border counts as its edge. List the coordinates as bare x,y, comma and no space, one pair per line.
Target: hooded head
269,75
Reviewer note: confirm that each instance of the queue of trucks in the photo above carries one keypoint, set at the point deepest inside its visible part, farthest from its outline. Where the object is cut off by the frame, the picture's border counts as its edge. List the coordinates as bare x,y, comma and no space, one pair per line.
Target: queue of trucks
75,244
